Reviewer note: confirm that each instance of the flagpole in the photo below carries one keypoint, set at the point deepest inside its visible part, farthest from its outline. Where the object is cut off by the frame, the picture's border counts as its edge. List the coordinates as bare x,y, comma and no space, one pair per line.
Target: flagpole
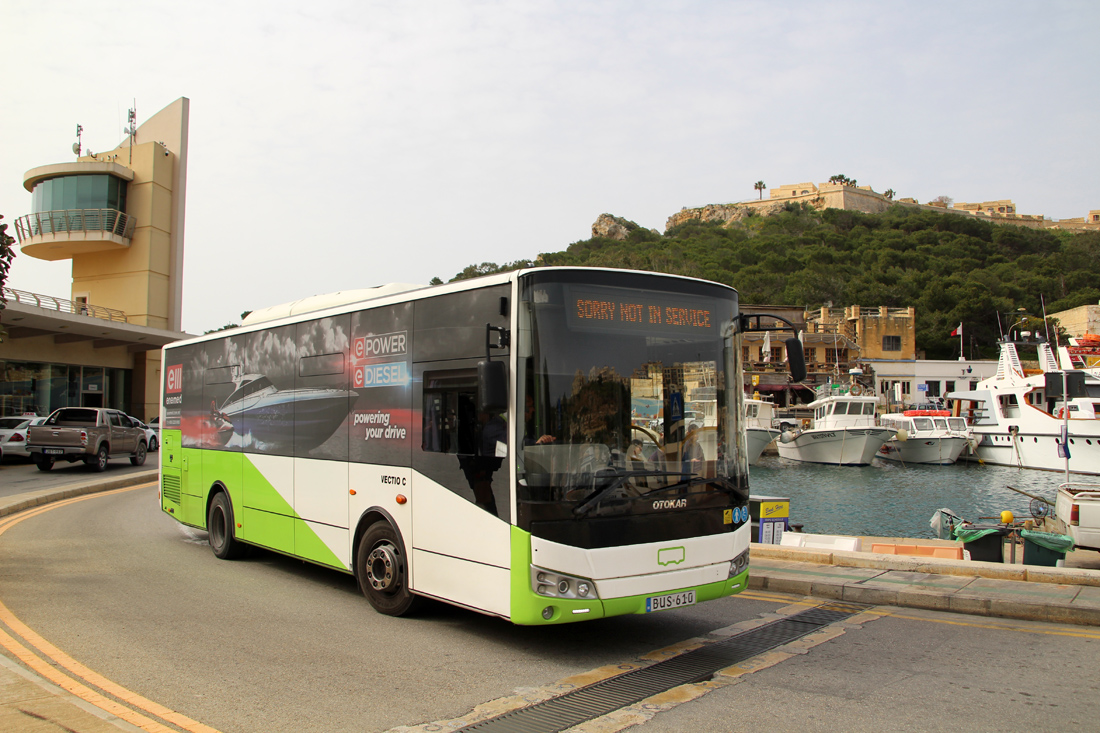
962,356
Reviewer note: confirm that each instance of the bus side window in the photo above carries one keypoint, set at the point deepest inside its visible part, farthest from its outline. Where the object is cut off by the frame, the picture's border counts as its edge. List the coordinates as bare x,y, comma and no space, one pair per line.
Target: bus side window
450,412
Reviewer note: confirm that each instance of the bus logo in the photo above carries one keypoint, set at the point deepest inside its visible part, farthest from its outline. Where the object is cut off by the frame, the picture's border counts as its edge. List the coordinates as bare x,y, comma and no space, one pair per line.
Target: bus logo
395,374
381,345
670,556
175,378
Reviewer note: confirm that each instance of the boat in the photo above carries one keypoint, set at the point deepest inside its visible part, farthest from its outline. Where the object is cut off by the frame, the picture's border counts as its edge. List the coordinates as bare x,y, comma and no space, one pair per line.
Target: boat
925,435
759,419
843,431
261,413
1018,418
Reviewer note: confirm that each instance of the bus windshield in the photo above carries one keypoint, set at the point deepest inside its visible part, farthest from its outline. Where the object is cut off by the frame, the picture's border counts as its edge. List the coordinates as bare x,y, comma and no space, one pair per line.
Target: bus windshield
628,393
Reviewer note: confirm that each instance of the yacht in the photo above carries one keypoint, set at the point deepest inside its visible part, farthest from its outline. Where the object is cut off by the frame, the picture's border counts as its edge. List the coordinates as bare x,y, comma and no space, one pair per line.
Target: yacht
1019,417
759,418
305,418
924,436
843,431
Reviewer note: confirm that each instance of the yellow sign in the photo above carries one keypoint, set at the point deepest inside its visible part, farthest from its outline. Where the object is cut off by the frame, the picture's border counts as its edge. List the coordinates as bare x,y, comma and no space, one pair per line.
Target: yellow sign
755,379
727,516
775,509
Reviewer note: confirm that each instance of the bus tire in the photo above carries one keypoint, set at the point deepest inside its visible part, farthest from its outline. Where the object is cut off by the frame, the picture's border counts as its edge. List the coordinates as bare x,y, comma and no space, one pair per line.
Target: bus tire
382,570
138,458
219,529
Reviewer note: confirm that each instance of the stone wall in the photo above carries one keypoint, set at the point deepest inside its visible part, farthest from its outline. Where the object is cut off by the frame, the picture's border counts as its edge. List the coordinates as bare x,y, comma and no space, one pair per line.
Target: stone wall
1079,321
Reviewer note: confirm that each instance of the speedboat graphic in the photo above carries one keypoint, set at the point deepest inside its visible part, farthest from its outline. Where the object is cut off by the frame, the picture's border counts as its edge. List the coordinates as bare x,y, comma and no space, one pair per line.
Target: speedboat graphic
305,418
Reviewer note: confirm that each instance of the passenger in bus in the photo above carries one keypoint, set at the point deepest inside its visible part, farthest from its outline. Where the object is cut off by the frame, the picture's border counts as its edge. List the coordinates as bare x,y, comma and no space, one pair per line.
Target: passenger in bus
693,456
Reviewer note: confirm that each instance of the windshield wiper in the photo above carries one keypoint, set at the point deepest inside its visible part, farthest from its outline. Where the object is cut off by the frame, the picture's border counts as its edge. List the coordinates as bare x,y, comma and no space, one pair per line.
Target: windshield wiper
620,477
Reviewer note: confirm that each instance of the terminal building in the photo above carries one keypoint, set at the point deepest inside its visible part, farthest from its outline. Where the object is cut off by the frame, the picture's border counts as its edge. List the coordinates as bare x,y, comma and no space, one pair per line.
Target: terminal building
119,216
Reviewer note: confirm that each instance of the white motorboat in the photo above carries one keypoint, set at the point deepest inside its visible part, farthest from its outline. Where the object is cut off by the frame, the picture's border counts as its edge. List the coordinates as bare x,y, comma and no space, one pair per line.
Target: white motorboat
759,418
924,436
1018,419
843,432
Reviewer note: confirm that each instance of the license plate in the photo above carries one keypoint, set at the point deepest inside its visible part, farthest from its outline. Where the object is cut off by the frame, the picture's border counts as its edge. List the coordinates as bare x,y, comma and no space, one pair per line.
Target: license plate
54,451
672,600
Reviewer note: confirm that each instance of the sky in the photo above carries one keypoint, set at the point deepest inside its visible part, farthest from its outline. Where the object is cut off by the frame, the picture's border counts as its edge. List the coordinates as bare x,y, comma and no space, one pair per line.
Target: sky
342,145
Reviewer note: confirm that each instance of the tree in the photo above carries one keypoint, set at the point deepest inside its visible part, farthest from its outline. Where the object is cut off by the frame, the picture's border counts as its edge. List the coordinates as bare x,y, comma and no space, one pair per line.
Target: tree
842,180
760,186
435,281
890,194
945,200
7,252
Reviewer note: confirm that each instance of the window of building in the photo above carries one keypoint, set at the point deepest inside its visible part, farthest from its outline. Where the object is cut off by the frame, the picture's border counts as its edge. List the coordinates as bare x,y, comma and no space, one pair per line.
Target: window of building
950,386
79,192
891,343
933,389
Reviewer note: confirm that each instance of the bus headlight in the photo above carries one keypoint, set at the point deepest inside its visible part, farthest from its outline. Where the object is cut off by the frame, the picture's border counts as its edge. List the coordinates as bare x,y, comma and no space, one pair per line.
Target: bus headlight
556,585
739,564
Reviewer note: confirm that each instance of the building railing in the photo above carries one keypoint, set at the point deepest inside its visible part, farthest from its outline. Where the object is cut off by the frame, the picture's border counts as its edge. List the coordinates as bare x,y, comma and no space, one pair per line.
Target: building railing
70,221
62,305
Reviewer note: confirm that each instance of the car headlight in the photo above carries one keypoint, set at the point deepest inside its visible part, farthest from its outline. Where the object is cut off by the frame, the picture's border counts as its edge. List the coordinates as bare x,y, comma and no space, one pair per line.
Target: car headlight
555,585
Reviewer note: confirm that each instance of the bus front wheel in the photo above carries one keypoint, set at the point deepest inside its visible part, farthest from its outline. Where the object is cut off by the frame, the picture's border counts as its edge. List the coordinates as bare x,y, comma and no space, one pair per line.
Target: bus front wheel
383,571
219,528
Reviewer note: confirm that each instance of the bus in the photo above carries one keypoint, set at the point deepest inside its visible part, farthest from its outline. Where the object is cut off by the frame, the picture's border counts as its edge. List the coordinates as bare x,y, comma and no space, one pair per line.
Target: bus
515,444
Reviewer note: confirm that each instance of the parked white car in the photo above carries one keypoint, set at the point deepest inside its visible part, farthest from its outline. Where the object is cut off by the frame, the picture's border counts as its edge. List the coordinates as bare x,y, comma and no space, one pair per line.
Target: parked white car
152,436
13,435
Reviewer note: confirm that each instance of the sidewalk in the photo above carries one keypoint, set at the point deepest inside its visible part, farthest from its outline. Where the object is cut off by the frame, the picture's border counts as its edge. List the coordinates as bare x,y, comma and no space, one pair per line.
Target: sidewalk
1068,595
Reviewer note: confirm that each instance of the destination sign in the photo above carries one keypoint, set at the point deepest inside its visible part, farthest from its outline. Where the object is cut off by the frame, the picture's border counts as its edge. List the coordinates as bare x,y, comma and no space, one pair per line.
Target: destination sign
621,310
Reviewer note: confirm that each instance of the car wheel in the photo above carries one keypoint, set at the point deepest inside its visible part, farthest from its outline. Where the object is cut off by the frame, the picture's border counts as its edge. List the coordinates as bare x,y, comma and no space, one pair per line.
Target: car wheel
98,462
138,458
382,570
220,529
154,444
44,463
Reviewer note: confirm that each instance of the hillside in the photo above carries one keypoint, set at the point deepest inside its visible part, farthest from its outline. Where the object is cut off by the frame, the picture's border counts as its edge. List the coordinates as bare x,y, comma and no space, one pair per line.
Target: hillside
952,268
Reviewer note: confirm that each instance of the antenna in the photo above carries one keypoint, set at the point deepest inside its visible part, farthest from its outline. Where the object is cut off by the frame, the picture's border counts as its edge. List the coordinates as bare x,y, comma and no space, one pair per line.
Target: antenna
76,145
131,128
1046,323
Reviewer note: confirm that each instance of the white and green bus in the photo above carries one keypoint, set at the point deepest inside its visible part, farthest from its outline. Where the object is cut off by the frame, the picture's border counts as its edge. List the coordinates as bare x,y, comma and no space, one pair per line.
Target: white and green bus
547,445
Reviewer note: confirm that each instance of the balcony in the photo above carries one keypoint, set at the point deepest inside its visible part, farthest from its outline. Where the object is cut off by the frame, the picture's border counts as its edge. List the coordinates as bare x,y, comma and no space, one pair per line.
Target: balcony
63,234
64,305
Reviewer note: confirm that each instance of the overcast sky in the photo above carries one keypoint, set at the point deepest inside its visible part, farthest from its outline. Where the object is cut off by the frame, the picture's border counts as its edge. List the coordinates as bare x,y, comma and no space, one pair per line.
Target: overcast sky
339,145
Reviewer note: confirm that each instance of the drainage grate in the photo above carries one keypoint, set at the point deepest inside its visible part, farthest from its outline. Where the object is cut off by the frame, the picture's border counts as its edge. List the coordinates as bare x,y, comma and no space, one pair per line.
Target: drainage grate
697,665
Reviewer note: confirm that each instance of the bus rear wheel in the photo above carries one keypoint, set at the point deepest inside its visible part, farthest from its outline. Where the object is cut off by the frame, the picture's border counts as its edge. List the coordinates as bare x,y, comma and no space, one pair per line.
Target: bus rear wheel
382,570
219,528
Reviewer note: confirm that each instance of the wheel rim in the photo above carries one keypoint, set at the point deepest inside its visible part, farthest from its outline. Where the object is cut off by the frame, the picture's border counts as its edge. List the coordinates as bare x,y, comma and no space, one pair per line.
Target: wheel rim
381,568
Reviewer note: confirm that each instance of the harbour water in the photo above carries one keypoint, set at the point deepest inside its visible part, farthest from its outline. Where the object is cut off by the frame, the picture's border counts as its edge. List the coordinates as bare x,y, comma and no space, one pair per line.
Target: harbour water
891,500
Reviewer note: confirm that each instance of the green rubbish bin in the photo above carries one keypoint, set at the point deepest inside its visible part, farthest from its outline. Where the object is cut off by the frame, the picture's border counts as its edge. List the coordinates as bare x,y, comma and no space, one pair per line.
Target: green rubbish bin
984,543
1045,548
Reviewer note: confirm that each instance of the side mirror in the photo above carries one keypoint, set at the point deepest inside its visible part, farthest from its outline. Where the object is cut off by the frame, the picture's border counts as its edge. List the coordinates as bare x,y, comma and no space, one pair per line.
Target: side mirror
796,359
492,386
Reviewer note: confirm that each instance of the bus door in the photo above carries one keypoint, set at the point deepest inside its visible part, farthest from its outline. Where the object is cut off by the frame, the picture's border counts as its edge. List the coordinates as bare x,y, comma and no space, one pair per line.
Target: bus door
462,506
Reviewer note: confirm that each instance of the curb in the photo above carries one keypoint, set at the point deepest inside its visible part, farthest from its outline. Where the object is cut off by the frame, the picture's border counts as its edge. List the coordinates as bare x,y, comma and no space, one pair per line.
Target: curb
22,502
929,565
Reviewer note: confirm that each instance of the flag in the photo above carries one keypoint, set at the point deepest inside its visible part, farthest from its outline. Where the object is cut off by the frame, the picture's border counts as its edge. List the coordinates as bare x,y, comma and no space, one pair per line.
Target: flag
958,331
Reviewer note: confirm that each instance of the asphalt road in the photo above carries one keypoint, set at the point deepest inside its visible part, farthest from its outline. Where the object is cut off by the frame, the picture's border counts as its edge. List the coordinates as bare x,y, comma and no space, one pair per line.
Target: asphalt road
272,644
18,475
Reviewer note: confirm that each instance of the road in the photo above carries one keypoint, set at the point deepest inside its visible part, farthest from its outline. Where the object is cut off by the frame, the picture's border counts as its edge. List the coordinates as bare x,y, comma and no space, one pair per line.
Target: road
18,475
273,644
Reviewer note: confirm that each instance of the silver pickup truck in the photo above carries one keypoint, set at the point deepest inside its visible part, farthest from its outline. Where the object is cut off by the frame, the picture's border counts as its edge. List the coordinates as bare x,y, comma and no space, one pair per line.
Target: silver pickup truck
89,434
